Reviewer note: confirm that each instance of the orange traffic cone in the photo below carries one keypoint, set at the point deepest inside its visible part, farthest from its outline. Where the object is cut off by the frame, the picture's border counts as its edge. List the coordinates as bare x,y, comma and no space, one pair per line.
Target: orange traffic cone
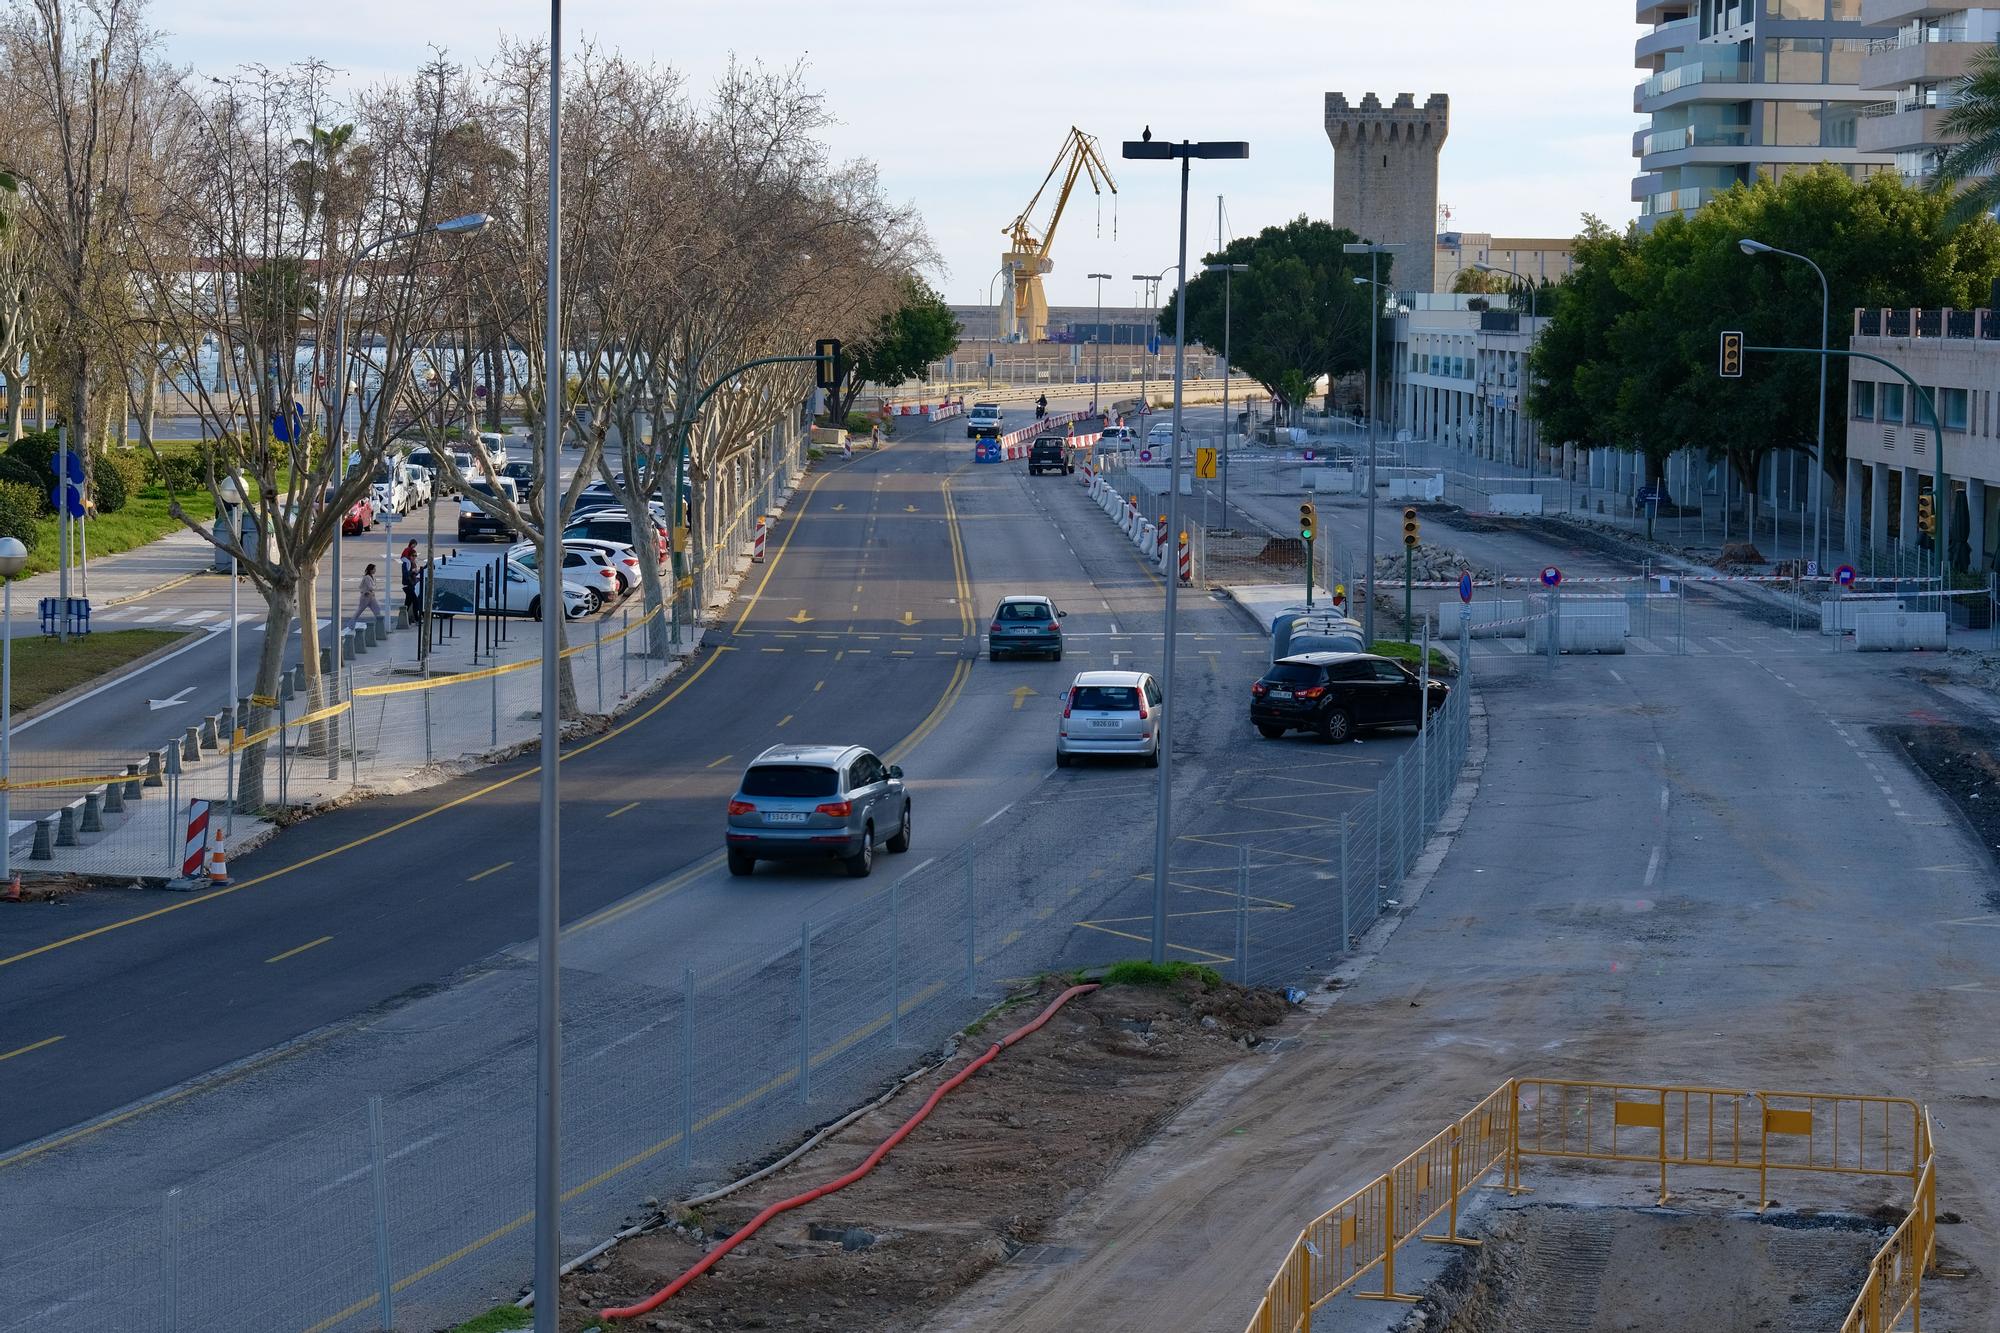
13,894
218,859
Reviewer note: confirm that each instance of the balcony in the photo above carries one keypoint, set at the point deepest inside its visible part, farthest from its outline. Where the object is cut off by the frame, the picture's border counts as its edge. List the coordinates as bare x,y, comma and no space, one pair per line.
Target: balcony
1676,35
1900,127
1895,13
1900,61
1982,324
1684,200
1722,76
1650,11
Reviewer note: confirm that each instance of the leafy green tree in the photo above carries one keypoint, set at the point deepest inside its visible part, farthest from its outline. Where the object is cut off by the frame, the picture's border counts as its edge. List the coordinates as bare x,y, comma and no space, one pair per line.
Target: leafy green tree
1976,122
1296,315
900,345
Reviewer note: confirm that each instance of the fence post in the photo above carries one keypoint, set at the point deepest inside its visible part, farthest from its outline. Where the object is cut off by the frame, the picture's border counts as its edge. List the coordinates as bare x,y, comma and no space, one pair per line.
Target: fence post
353,732
597,639
1375,873
1346,926
378,1171
625,648
170,1262
687,1066
971,933
896,962
427,728
1555,626
805,1010
493,692
1242,916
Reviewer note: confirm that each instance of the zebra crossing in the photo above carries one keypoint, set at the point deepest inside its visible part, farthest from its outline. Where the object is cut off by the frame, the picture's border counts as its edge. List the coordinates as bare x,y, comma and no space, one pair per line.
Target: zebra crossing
179,617
1693,645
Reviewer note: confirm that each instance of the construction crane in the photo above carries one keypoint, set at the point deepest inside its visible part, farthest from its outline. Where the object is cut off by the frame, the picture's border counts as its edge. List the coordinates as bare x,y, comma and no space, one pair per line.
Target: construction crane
1027,257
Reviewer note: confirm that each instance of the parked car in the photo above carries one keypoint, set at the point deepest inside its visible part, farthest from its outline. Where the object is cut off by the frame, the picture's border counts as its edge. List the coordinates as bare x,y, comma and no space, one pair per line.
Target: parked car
807,802
1049,453
1160,436
1119,437
1320,631
467,583
1335,695
624,561
522,470
433,469
1113,713
983,419
614,525
360,517
496,447
475,523
1025,624
589,568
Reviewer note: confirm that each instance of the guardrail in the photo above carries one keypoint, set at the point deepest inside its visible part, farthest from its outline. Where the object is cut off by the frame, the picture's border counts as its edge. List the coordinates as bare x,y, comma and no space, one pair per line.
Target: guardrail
1660,1125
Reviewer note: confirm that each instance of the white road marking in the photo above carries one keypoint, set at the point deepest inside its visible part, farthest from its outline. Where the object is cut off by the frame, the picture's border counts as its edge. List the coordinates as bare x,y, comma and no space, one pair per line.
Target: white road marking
1661,748
996,814
1615,676
1663,798
1653,866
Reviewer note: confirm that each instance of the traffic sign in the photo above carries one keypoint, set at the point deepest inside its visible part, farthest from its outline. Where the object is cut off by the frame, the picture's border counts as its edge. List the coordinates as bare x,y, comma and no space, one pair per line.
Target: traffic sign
1145,455
67,495
1204,464
1465,586
1152,344
74,465
1812,569
1309,455
1551,577
1844,576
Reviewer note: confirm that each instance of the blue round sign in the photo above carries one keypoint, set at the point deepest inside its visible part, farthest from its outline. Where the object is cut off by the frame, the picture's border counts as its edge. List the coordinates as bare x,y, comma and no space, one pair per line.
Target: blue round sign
1844,576
1551,577
1465,586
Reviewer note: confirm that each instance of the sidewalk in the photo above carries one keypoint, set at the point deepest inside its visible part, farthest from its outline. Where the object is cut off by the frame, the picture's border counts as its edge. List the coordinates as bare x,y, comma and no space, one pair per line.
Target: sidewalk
124,577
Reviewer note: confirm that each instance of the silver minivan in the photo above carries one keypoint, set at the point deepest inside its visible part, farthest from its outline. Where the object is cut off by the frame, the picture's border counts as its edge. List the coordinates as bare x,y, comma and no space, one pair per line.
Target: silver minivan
817,802
1111,712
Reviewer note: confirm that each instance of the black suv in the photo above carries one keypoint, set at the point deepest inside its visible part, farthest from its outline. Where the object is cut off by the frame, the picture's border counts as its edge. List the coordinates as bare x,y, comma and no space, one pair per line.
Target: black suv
1334,695
1049,454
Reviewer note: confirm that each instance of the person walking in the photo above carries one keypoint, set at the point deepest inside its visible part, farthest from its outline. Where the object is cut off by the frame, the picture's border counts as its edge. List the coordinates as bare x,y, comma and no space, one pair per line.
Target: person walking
408,561
367,604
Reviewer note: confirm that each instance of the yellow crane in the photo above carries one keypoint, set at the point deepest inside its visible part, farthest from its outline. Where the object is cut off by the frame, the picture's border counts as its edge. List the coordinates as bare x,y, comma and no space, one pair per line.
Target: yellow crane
1027,256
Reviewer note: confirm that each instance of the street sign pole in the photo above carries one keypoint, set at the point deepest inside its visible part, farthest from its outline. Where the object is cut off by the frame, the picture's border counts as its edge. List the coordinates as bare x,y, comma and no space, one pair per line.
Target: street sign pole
1309,573
1408,552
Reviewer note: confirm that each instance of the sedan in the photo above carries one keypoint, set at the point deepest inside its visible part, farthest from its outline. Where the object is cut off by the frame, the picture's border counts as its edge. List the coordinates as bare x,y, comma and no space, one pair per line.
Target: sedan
1025,624
1334,695
360,517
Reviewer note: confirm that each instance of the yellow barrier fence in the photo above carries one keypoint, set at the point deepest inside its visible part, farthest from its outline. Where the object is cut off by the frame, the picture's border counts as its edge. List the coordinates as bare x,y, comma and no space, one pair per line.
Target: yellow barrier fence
1659,1125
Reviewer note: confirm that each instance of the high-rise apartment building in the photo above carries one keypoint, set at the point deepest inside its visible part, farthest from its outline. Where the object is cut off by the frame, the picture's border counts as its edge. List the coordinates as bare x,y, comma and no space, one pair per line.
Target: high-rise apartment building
1917,66
1742,87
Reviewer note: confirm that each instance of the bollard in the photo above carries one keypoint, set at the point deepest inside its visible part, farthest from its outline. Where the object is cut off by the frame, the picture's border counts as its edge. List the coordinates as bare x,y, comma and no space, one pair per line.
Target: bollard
133,785
154,762
298,677
191,745
211,737
326,661
114,798
93,812
45,839
66,826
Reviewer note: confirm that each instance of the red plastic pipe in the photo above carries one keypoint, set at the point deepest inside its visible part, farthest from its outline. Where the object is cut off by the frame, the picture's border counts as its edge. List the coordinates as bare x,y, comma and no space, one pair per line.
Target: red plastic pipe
874,1159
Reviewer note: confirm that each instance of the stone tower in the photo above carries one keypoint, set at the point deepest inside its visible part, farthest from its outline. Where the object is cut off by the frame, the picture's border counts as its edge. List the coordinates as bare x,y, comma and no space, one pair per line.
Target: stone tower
1385,175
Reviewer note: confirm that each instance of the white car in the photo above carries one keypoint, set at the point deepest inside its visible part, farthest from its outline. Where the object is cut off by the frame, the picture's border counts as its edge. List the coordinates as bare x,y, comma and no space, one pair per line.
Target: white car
395,490
1111,713
1160,437
623,559
496,447
465,584
983,419
581,565
1119,437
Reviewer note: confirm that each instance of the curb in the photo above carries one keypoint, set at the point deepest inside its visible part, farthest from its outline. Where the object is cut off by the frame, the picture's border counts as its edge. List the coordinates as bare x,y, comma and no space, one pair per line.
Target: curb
95,682
174,582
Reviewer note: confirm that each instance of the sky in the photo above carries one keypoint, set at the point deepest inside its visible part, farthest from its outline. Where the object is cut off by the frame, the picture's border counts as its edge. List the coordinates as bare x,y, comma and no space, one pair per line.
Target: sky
964,106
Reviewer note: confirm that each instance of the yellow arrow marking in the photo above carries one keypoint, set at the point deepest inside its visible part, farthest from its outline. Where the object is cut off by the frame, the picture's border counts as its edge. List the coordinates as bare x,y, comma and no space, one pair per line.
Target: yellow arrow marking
910,618
1020,693
801,618
839,507
909,509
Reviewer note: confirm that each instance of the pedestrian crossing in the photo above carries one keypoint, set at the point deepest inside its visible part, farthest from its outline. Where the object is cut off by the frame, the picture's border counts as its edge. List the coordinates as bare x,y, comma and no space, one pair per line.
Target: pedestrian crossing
179,617
1693,645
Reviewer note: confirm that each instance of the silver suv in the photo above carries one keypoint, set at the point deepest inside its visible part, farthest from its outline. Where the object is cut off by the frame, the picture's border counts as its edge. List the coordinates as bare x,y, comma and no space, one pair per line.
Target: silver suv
804,802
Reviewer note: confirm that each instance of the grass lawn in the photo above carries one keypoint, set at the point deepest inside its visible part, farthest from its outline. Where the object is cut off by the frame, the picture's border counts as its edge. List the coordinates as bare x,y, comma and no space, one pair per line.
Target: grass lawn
497,1320
44,668
1408,652
143,519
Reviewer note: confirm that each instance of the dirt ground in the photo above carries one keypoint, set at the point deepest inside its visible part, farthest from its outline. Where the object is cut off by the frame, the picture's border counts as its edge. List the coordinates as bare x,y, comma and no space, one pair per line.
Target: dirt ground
1650,1270
976,1186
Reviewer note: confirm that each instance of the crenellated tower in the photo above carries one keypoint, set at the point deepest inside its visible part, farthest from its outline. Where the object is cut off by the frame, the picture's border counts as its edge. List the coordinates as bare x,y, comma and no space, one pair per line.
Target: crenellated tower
1385,175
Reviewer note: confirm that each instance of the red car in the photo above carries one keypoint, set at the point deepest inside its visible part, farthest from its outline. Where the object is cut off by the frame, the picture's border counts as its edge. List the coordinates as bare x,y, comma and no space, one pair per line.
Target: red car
359,519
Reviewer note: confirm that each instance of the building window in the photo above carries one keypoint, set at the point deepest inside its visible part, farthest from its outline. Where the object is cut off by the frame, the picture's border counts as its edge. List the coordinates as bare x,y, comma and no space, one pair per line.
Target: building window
1952,407
1795,9
1843,61
1891,396
1792,124
1844,11
1794,60
1864,400
1836,124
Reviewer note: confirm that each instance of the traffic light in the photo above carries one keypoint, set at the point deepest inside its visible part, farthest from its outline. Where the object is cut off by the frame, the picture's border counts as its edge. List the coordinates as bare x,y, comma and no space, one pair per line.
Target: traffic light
1411,529
1732,356
1926,515
827,373
1308,520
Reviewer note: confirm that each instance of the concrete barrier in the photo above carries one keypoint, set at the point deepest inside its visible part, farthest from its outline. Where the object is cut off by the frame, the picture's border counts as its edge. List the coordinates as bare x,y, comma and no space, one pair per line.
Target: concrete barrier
114,798
134,786
211,733
1837,617
66,826
1331,480
1900,631
191,746
1582,632
1417,488
1514,503
1484,613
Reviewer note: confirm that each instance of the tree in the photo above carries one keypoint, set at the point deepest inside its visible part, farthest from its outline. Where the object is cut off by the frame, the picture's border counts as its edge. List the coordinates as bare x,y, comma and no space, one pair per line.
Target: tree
900,345
1297,315
1478,282
1975,121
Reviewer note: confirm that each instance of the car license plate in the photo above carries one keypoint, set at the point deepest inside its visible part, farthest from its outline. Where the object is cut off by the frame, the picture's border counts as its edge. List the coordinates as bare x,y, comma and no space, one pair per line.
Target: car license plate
1281,694
1104,722
1022,629
785,817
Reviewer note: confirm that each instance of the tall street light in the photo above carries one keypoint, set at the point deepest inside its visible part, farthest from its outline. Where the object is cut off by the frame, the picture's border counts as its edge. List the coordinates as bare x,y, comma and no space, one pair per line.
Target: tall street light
1097,361
1152,281
993,343
1387,295
1374,251
1228,272
1527,380
13,559
231,495
1146,149
1750,247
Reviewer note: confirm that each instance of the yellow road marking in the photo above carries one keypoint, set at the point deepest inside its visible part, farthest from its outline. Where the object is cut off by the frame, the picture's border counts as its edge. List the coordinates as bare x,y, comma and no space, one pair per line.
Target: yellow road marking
720,762
292,953
1203,954
820,684
31,1046
783,720
490,870
255,880
631,805
1021,694
791,531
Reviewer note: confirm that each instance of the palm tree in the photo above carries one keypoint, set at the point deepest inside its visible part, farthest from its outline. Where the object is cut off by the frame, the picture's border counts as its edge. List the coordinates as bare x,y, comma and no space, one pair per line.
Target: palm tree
1975,121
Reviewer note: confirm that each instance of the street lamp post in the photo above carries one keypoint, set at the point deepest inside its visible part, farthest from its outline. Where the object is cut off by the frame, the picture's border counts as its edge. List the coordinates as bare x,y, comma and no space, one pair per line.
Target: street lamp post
993,343
1527,380
1374,251
13,559
1186,151
1228,272
1750,247
1097,360
231,495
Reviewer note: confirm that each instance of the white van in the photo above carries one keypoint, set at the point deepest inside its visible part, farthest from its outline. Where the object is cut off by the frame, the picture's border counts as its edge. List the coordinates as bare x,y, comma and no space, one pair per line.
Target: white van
496,447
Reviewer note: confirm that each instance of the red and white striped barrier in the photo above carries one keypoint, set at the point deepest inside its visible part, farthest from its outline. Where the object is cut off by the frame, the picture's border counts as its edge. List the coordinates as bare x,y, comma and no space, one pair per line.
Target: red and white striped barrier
1187,562
195,844
757,550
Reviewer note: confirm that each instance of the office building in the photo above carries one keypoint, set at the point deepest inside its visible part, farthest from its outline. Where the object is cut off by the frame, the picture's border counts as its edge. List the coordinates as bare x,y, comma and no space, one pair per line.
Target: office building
1916,68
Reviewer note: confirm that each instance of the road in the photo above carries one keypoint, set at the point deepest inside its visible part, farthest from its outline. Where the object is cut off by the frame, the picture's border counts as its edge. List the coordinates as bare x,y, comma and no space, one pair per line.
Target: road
378,948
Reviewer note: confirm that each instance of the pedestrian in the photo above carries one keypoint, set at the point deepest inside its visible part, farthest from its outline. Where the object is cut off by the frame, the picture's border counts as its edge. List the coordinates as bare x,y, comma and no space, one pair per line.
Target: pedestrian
409,572
367,604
